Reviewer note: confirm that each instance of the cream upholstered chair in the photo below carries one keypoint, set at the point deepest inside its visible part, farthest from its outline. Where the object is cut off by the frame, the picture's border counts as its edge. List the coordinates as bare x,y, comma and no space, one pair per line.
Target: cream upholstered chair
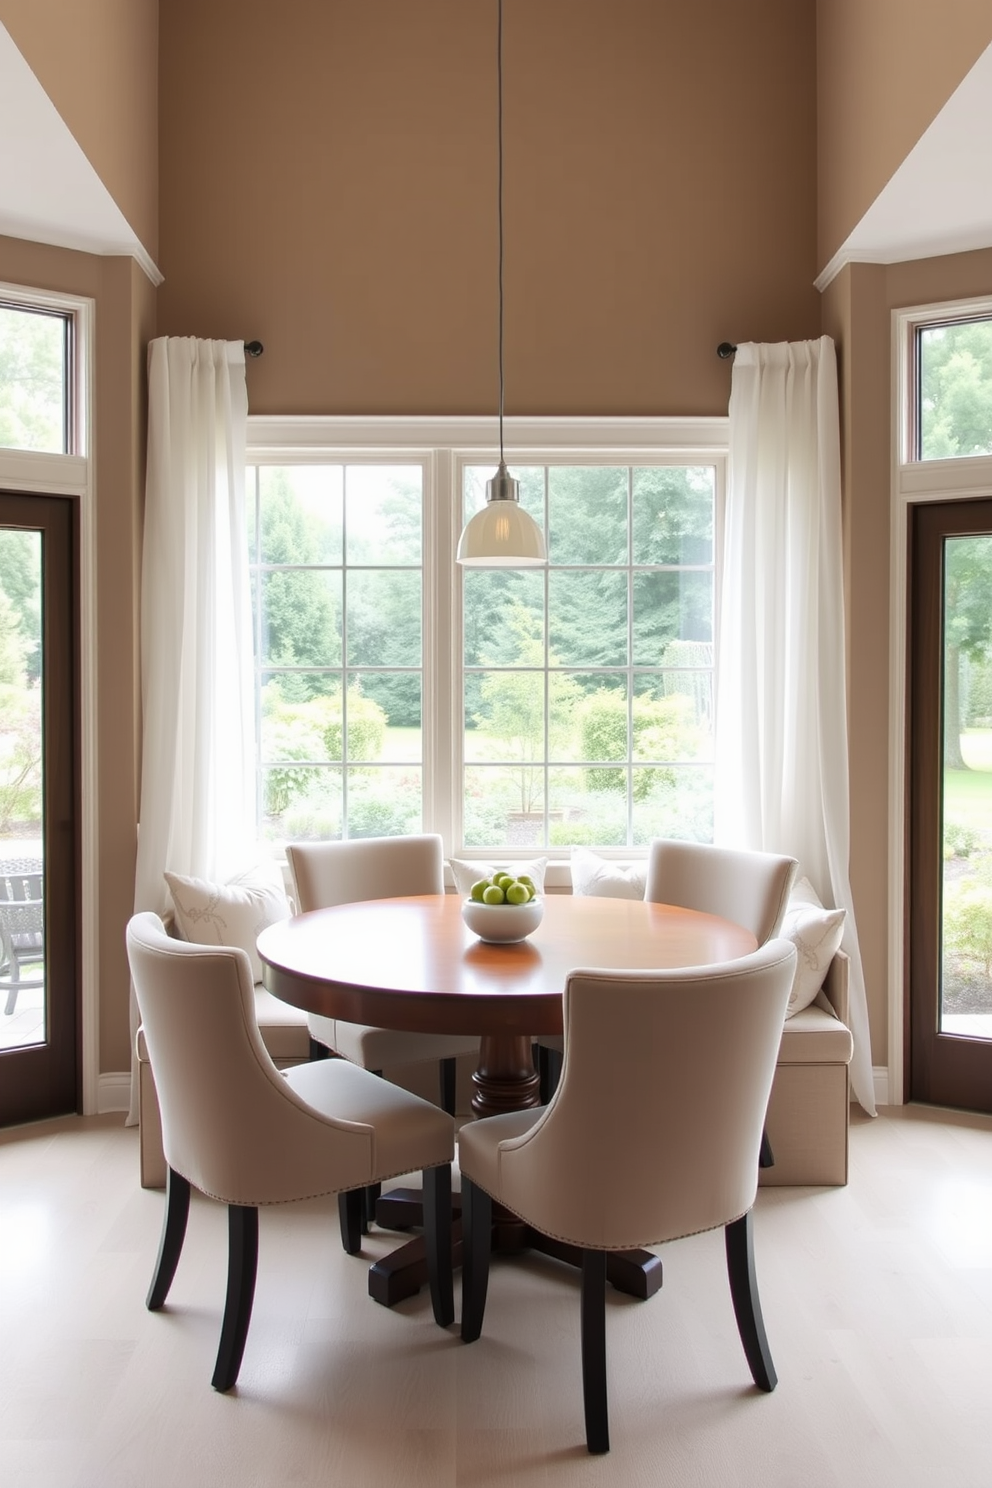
653,1133
329,873
245,1133
750,888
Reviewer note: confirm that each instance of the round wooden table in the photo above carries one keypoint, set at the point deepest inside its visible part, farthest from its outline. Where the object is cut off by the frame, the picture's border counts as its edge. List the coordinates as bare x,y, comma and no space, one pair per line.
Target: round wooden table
412,964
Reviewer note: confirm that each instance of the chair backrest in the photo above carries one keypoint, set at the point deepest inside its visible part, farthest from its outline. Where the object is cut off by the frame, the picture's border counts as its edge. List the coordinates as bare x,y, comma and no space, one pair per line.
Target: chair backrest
750,888
329,873
22,903
655,1128
230,1123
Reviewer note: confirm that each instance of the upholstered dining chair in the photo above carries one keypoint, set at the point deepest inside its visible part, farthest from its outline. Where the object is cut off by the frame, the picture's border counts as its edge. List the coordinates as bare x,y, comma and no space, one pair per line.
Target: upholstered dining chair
652,1134
247,1134
750,888
329,873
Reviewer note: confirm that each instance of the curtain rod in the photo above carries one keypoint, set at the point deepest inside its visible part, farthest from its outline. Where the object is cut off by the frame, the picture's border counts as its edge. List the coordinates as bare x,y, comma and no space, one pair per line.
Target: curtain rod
254,348
725,350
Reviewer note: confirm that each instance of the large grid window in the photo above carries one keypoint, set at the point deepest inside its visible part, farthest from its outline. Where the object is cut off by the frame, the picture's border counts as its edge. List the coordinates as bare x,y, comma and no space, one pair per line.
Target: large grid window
510,710
588,685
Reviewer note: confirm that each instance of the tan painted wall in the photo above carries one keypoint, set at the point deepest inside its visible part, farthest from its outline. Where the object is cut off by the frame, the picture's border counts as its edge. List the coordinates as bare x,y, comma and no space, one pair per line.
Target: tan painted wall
334,194
124,311
885,69
858,313
98,62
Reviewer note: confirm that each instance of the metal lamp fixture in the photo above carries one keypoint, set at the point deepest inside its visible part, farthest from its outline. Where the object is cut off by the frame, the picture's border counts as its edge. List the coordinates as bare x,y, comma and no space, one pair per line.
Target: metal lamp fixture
502,534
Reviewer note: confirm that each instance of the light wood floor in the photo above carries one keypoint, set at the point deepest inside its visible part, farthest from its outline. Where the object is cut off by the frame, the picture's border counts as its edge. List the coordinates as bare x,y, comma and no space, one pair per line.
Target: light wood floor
877,1299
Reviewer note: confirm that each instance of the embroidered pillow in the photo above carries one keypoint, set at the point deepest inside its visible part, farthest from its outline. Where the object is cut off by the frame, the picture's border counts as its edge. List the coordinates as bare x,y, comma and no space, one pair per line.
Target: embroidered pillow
233,913
602,879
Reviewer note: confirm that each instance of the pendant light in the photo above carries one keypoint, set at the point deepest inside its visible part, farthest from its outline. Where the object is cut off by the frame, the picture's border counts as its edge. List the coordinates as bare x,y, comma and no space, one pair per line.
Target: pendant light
502,534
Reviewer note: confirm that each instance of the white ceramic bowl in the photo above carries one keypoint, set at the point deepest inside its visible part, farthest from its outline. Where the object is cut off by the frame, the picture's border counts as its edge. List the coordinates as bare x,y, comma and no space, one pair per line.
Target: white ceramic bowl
502,923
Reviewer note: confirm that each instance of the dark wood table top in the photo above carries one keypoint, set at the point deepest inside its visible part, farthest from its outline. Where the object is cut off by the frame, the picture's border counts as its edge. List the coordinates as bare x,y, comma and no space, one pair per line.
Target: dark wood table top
413,964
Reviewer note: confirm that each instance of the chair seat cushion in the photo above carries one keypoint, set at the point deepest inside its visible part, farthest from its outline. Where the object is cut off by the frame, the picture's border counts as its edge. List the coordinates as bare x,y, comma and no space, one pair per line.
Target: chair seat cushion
409,1132
382,1048
815,1036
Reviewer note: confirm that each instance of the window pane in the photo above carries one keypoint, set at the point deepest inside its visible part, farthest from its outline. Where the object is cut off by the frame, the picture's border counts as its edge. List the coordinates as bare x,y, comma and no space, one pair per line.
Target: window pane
33,391
955,393
587,514
383,802
300,803
670,607
588,808
504,806
383,617
587,614
508,721
673,803
301,617
673,514
593,717
300,513
383,511
398,696
673,716
504,617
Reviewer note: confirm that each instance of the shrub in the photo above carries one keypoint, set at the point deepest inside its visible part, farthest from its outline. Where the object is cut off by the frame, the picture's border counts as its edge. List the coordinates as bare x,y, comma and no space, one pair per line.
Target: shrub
967,918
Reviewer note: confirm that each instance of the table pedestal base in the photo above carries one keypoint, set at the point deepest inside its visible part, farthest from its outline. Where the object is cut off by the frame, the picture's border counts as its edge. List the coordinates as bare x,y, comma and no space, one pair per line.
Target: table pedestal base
401,1274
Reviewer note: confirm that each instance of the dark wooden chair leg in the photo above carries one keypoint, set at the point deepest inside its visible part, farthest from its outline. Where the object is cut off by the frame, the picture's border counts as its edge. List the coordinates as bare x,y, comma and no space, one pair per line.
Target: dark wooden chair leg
549,1070
766,1157
242,1264
171,1244
437,1240
477,1221
351,1214
594,1350
747,1307
448,1070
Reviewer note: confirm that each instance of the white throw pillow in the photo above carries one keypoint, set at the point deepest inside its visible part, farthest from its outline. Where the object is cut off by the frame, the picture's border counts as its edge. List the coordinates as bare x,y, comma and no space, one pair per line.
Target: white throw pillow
601,879
466,873
233,913
816,934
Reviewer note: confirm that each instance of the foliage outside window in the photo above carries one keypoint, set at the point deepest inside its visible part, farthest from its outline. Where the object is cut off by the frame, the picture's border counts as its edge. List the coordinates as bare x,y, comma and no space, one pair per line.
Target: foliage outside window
507,709
954,396
33,379
588,686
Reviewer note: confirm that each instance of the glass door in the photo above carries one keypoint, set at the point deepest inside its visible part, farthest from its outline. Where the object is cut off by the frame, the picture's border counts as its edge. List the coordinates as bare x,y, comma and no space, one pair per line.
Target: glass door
950,930
38,984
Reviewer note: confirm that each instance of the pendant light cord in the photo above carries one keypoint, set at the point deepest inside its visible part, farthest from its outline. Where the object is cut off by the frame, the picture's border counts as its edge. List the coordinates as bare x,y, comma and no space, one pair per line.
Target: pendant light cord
499,210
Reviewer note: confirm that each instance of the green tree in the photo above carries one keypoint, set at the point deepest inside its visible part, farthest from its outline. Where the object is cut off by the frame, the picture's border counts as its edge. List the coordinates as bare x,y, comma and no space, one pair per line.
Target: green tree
301,609
956,390
32,379
967,628
512,711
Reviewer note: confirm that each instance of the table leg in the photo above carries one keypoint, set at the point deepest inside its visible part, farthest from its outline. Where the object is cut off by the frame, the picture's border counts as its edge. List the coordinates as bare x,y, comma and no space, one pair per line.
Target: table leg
505,1079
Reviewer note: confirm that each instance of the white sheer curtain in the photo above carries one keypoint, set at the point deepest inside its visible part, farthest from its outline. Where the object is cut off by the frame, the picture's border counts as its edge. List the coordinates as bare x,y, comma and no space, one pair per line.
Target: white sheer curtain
197,763
781,746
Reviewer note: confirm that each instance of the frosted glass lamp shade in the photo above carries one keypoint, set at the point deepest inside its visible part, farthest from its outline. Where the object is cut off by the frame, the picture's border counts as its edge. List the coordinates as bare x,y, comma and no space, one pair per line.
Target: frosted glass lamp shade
502,535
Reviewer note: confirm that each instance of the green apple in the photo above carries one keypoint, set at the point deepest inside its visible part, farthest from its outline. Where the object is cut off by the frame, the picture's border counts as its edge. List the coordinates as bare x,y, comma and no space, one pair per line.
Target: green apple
517,893
478,889
493,894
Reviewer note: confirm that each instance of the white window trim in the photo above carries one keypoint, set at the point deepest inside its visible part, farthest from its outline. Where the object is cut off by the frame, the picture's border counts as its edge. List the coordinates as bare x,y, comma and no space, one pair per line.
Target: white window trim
31,473
913,481
442,446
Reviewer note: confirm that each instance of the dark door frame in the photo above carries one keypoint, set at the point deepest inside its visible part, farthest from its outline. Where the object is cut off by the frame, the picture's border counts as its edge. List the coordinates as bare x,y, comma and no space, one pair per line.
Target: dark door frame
47,1079
940,1068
